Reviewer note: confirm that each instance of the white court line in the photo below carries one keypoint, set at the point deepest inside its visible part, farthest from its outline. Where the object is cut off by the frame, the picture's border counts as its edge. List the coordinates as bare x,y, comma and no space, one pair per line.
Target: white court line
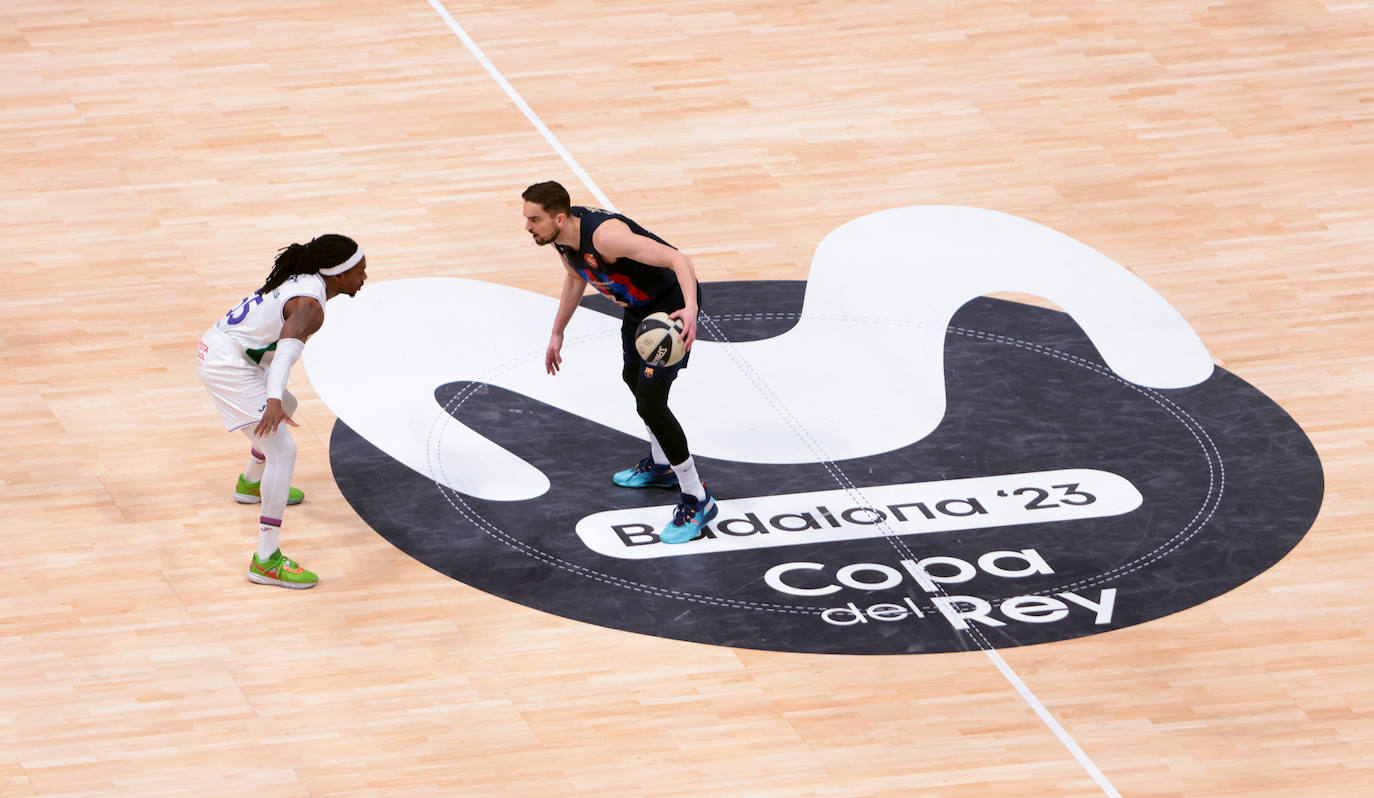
992,654
521,104
1052,722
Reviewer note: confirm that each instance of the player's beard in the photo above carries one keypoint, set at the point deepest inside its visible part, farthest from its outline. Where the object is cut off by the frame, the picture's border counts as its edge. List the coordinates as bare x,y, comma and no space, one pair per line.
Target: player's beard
553,236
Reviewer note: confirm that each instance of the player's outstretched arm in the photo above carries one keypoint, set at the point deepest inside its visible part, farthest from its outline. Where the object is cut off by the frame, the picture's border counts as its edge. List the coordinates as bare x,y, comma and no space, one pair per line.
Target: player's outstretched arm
573,288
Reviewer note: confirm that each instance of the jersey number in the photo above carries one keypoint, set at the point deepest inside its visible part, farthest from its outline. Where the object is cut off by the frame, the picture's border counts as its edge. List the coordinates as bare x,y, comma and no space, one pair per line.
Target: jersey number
240,313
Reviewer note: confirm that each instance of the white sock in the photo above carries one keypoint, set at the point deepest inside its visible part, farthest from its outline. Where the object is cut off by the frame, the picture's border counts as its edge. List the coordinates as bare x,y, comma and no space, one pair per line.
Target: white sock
655,450
268,535
279,452
688,480
256,463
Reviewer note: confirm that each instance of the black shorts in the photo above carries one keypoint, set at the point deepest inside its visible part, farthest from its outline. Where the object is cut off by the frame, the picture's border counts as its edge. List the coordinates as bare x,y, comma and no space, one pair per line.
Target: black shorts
669,302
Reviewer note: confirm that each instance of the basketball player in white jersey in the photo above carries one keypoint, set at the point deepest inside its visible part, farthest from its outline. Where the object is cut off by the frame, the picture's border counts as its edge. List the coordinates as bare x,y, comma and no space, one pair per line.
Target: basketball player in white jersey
244,360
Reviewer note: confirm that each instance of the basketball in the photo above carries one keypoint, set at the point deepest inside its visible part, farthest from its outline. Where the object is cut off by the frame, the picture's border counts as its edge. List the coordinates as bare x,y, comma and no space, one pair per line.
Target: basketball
659,340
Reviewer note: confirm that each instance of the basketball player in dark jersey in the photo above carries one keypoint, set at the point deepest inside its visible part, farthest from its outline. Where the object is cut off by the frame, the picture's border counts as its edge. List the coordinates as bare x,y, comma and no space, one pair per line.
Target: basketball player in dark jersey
643,274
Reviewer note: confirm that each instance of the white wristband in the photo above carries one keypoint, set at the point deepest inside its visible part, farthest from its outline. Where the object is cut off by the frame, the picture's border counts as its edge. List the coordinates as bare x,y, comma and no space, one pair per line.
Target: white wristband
287,353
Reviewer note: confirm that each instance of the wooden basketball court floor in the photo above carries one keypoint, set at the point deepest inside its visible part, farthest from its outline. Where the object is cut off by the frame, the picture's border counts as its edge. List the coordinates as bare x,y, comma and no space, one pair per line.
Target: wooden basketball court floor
156,154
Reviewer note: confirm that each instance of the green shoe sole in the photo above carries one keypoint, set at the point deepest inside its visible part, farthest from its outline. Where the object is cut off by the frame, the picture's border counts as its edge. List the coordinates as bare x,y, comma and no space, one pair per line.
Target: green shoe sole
250,493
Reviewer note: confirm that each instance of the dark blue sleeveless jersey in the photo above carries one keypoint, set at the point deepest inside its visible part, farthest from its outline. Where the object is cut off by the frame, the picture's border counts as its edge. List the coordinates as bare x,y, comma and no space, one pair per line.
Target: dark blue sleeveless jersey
629,283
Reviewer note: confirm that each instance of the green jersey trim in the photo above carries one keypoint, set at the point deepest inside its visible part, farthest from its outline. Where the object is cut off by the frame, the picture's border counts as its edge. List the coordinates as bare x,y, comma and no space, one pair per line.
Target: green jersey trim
255,355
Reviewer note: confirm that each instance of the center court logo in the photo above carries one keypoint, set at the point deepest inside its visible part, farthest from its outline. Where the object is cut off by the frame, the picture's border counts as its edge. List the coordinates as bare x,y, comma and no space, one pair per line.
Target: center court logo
901,465
912,509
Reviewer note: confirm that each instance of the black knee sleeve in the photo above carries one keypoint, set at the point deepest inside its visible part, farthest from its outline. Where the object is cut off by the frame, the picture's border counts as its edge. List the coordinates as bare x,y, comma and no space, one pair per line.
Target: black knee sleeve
651,402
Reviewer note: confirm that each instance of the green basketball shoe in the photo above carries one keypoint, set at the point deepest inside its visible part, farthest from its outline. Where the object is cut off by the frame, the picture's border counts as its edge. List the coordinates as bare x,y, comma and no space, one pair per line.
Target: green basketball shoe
251,493
281,571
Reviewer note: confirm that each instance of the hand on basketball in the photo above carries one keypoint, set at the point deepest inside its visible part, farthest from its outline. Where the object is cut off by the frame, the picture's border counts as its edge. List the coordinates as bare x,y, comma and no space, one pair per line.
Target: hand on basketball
552,359
689,326
272,417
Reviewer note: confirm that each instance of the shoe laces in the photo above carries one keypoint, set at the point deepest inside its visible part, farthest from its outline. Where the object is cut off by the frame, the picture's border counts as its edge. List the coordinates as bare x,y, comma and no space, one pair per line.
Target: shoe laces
686,510
645,466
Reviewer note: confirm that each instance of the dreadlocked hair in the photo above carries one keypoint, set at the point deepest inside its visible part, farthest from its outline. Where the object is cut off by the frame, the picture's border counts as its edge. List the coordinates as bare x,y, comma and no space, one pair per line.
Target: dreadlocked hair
325,252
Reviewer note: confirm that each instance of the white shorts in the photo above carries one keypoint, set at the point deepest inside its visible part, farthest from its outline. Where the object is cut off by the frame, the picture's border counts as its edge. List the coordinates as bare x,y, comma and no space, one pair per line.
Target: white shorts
237,385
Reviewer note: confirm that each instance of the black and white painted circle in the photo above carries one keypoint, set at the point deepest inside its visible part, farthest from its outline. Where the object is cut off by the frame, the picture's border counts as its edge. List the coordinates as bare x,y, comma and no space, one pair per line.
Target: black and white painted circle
901,465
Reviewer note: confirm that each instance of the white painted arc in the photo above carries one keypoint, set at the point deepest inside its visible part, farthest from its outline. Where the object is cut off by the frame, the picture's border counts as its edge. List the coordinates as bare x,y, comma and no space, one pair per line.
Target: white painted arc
897,275
380,356
923,263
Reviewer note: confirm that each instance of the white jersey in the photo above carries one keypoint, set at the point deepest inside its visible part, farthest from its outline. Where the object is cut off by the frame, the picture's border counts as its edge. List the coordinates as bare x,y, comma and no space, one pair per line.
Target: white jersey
254,325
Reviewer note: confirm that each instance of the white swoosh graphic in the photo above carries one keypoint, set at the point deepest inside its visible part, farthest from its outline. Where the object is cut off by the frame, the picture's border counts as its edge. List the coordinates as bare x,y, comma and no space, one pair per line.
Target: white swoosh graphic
861,372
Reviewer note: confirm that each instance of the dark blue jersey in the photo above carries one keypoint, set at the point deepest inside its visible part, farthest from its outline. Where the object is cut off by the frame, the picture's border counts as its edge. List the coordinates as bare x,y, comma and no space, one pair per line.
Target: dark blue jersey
633,285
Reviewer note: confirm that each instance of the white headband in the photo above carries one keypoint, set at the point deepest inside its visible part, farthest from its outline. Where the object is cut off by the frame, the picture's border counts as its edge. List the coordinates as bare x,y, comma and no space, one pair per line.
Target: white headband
345,266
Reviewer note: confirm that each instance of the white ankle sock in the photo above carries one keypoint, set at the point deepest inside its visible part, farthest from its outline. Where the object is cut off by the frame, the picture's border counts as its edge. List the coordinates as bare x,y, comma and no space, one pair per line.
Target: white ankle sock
655,450
256,463
688,480
268,537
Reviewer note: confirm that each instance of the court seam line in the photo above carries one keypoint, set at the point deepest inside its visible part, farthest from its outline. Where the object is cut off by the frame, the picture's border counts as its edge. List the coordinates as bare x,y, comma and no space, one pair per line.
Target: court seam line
1007,673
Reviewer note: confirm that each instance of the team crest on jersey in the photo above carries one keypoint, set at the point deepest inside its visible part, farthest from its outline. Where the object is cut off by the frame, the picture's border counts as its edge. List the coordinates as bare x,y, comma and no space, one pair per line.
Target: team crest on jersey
591,260
901,465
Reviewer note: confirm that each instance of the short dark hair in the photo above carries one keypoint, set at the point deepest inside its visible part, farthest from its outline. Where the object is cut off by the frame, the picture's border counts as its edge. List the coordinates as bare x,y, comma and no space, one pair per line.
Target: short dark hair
550,196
